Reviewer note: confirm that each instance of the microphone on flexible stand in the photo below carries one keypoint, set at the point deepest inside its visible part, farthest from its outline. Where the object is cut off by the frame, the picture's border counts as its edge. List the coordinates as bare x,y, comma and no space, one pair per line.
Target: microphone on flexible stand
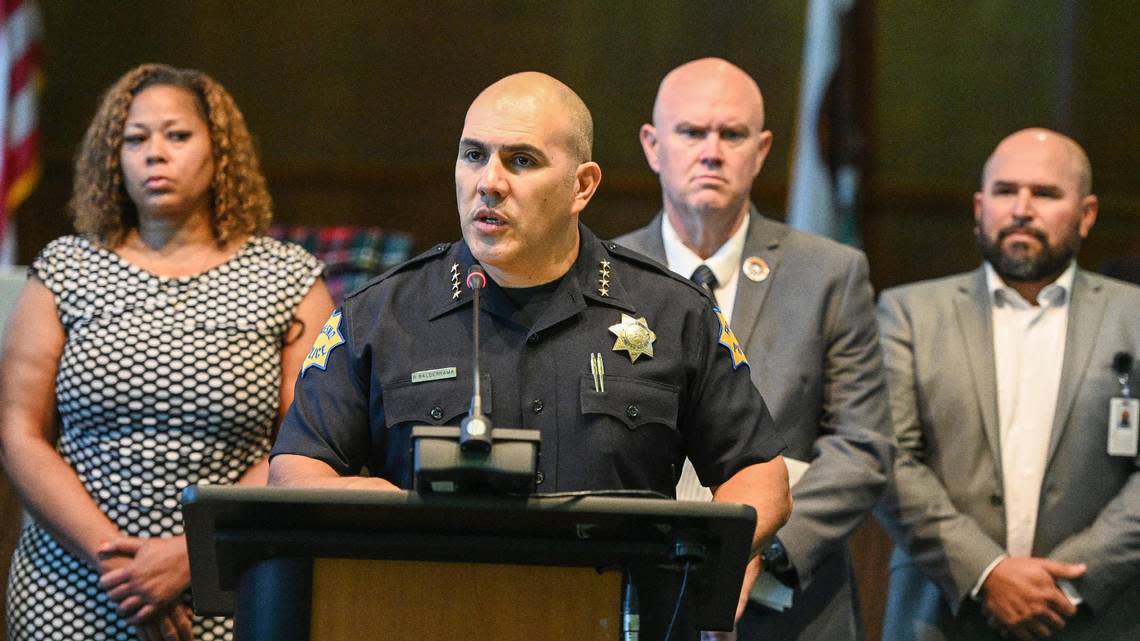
475,430
448,459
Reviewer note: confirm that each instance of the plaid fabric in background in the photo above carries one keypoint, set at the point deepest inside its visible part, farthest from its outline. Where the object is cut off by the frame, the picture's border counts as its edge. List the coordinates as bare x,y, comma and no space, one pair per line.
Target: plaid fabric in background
352,255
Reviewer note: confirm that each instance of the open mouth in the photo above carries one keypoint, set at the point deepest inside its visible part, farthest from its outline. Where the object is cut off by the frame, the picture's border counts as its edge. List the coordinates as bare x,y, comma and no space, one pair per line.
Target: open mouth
488,217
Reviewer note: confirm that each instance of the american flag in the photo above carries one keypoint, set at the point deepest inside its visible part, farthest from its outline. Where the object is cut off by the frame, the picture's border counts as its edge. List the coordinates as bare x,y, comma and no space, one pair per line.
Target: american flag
21,52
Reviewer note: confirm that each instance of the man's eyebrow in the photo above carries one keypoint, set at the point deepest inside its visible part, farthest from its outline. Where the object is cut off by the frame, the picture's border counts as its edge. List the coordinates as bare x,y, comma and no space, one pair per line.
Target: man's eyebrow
524,148
685,124
1038,188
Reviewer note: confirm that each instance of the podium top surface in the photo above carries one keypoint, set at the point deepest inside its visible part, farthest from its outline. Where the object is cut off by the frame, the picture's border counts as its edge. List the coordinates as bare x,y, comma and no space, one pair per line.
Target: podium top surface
229,528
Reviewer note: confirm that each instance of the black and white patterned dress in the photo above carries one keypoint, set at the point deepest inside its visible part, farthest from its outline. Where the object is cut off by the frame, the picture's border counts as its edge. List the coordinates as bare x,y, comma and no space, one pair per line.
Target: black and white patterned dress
163,383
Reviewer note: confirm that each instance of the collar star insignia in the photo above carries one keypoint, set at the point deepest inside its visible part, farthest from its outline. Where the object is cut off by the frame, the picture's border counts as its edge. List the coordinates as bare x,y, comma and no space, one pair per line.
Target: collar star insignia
604,279
455,281
634,336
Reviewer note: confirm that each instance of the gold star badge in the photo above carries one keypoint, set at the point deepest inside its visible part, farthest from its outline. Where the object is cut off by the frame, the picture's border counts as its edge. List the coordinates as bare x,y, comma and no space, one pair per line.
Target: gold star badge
634,336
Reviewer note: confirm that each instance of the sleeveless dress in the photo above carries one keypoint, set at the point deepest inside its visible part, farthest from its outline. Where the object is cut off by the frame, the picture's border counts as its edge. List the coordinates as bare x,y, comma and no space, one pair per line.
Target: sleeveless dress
163,383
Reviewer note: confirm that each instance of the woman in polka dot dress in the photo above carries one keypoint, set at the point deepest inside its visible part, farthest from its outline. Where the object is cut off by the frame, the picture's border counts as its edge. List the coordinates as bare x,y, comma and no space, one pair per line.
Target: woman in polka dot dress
166,336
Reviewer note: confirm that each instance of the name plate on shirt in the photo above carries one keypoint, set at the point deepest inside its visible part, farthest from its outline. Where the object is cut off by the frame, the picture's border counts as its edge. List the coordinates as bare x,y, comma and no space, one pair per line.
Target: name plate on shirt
1123,422
426,375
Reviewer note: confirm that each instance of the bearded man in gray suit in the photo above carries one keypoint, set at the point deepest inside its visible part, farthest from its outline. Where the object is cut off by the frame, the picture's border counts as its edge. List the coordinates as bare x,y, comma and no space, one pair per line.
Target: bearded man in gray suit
803,309
1016,503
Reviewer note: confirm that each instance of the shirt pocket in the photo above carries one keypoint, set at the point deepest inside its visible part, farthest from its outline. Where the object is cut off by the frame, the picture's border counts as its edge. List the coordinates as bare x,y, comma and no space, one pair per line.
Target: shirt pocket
632,402
439,402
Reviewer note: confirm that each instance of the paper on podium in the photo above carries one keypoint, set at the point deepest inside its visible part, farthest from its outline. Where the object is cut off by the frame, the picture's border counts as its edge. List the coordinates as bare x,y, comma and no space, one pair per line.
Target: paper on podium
768,590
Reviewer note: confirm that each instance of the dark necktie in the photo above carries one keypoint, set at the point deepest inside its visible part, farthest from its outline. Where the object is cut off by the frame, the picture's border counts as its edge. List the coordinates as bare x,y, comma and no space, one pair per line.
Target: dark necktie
704,277
689,487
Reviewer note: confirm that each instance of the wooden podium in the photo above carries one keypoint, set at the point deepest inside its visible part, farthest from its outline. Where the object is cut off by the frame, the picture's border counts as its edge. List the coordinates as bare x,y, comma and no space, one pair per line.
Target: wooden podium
321,565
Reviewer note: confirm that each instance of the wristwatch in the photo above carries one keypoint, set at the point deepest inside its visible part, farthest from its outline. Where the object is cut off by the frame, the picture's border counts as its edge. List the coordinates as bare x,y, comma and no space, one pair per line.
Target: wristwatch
775,559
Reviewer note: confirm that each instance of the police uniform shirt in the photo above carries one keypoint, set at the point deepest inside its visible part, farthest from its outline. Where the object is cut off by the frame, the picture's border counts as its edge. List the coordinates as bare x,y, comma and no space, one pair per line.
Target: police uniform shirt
399,354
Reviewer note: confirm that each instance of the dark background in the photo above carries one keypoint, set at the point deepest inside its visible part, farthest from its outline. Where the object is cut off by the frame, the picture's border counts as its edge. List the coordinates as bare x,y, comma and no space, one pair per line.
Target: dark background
357,107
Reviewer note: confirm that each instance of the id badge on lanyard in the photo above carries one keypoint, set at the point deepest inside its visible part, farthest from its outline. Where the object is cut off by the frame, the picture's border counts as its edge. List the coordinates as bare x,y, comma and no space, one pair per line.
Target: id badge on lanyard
1123,411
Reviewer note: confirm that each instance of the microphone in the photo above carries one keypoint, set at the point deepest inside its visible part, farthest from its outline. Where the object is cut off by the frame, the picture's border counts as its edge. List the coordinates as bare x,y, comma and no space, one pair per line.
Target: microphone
475,430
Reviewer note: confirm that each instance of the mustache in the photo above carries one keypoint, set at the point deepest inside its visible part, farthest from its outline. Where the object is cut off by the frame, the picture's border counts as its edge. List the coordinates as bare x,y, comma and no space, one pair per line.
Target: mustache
1022,227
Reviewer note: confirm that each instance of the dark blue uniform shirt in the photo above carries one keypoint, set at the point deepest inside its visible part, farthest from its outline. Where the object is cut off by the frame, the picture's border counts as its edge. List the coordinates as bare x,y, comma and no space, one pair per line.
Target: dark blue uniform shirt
398,354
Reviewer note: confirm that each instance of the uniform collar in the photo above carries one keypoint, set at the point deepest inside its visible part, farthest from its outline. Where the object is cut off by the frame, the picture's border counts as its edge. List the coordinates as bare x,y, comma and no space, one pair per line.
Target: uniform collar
584,281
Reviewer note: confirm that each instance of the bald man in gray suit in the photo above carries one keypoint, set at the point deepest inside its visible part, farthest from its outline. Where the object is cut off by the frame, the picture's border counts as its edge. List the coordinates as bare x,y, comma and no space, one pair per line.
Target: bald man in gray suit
1016,503
803,309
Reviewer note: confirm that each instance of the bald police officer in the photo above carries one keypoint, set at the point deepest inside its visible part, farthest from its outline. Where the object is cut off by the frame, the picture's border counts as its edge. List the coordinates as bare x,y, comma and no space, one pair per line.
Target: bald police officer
396,354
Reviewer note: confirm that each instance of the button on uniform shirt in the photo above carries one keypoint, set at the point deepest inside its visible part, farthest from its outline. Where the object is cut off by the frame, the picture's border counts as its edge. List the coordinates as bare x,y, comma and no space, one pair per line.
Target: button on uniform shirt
725,265
1029,350
398,354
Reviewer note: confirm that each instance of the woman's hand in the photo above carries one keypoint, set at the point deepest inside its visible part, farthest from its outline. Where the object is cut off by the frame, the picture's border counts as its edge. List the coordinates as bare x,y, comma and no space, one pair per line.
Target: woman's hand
155,574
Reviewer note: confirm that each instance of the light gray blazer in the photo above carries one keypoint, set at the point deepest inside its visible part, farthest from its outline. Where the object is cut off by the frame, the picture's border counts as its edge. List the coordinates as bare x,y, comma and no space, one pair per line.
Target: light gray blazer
945,509
812,344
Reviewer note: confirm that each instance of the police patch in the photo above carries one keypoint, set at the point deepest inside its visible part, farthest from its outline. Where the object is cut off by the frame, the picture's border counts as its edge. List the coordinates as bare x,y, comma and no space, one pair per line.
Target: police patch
728,339
328,340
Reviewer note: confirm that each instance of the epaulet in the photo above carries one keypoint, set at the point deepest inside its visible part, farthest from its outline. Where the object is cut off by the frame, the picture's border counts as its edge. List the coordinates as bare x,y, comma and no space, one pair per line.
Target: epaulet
437,250
629,255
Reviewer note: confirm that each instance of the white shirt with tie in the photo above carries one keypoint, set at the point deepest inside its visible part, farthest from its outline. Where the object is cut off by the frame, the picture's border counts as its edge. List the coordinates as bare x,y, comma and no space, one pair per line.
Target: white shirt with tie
725,265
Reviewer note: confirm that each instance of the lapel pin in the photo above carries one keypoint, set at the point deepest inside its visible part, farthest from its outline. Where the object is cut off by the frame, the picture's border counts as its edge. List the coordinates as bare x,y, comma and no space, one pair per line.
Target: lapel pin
756,269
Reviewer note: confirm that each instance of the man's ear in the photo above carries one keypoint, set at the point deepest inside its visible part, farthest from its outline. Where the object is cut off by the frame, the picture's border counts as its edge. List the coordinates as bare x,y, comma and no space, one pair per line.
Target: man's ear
586,180
649,146
1090,206
765,145
977,211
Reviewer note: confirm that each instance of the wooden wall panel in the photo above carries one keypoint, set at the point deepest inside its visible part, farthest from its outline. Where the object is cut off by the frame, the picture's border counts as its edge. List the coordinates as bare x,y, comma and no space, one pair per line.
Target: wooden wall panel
357,105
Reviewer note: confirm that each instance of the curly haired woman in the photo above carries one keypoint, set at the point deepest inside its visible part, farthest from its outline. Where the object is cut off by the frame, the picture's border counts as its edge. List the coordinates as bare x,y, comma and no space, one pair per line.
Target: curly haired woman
166,336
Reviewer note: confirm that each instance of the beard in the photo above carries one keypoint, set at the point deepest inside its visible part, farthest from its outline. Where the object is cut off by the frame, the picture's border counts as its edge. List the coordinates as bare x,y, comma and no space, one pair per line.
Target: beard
1022,264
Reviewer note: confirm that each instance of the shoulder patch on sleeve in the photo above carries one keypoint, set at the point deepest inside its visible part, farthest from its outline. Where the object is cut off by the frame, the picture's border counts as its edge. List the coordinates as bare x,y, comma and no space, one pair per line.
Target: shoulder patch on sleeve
329,339
728,340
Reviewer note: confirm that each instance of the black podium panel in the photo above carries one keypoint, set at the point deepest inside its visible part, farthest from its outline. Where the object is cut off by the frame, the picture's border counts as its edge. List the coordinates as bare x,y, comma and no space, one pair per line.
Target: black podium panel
230,529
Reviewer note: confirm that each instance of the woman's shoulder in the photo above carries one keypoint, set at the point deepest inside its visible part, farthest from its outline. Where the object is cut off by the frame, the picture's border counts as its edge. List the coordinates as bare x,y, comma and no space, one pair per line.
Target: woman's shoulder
64,252
285,252
69,245
279,260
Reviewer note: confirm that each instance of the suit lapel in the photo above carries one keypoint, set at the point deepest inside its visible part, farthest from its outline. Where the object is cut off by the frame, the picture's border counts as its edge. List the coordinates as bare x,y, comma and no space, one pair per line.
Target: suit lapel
1086,311
976,326
650,241
764,239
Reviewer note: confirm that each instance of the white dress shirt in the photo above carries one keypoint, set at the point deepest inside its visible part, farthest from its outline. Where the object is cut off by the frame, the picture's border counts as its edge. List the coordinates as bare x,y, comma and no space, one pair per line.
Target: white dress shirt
725,265
1029,351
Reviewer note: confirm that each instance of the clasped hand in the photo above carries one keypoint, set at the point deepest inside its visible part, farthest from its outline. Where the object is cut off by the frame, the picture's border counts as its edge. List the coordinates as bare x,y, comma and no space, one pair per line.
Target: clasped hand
145,578
1021,596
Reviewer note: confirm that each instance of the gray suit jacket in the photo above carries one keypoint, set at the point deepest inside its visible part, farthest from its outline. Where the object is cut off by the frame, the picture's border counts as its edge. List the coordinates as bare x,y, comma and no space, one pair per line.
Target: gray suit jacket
812,344
945,509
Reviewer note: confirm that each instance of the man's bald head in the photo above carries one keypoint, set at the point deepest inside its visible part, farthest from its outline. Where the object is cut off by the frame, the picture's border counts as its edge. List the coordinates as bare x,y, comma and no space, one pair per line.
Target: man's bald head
523,177
715,79
543,95
1034,208
1044,143
707,144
